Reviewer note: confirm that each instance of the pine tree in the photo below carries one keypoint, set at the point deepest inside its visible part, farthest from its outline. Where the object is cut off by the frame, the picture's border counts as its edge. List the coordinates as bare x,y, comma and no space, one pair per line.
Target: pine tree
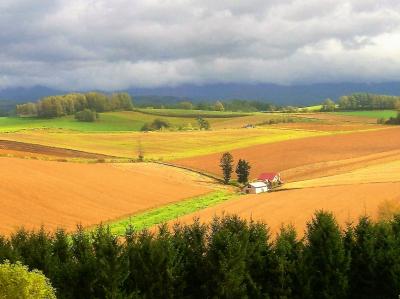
226,259
110,263
325,261
287,253
243,171
226,164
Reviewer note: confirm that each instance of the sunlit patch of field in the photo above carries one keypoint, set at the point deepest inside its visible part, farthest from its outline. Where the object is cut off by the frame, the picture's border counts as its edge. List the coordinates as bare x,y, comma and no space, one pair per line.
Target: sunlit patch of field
370,113
384,172
55,194
160,145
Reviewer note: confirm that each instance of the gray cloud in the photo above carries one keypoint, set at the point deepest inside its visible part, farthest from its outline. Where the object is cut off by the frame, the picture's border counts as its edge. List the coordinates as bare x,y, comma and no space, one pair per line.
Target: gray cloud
77,44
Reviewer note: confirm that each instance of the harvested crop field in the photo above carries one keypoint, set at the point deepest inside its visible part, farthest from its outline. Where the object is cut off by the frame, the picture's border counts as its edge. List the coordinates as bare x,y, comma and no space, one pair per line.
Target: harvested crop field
158,145
16,147
380,173
55,194
304,158
296,207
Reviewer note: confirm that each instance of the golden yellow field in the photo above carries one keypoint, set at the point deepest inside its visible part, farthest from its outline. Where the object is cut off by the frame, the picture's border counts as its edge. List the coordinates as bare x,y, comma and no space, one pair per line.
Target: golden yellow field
160,145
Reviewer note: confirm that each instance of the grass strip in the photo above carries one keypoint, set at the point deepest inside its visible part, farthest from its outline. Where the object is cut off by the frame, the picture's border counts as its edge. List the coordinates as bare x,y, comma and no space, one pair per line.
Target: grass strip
169,212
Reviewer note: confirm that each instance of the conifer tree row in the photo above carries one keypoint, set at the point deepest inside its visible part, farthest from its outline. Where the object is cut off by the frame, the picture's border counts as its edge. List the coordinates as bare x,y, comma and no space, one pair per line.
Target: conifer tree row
229,258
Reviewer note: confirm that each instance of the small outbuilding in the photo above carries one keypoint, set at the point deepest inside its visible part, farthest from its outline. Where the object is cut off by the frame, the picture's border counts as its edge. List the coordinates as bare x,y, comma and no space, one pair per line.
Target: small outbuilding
255,188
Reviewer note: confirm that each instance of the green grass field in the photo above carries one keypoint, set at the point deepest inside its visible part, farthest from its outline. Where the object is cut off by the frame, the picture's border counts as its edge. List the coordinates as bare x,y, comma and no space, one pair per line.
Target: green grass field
315,108
117,121
108,122
169,212
371,113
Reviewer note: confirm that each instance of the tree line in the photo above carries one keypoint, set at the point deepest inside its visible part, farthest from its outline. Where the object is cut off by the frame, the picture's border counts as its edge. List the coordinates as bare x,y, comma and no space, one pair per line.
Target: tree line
362,101
235,105
229,258
70,104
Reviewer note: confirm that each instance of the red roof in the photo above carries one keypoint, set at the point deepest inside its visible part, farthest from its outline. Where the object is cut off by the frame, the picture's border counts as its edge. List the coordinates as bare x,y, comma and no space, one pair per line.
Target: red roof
267,176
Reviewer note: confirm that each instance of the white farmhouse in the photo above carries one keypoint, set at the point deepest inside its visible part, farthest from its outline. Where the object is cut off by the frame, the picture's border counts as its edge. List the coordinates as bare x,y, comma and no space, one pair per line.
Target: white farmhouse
255,187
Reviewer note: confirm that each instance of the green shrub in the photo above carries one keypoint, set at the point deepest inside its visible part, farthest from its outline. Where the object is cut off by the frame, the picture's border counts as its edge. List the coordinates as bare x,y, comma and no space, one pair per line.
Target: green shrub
16,281
157,124
86,115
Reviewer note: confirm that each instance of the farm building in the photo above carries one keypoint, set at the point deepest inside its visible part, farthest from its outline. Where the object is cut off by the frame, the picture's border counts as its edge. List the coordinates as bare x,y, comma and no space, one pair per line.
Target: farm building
270,178
255,187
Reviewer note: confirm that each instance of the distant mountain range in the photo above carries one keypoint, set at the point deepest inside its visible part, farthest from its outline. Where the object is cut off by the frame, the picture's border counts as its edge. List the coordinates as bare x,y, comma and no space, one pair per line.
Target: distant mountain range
278,94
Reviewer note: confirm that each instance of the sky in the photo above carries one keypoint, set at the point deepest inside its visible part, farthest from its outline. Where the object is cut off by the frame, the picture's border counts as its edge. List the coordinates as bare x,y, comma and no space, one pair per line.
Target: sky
109,45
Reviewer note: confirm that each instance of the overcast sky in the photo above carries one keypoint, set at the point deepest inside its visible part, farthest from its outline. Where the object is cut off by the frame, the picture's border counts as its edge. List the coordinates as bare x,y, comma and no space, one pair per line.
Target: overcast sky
86,44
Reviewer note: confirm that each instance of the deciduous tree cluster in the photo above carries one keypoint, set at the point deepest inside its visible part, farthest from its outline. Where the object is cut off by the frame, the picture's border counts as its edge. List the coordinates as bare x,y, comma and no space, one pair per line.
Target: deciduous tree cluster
69,104
367,101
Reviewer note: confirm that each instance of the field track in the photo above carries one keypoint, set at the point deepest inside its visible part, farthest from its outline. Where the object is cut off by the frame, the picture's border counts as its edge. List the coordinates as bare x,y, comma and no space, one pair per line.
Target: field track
56,194
7,145
297,206
307,157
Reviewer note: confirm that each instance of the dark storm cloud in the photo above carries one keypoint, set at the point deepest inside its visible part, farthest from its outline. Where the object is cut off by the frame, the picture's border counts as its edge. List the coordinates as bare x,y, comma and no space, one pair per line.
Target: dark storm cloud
79,44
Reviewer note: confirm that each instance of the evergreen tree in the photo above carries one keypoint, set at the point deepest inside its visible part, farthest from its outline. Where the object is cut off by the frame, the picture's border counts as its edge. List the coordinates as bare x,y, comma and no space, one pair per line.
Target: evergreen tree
243,171
110,263
226,164
190,241
226,259
84,267
61,270
287,255
363,276
325,261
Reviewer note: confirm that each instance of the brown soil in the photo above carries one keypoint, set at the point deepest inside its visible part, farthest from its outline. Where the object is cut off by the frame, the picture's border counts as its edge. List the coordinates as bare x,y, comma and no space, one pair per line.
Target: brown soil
298,206
307,158
55,194
7,146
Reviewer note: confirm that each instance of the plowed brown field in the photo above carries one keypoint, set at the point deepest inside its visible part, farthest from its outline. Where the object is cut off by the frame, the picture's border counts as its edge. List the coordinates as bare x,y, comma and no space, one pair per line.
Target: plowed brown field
57,194
22,148
298,206
304,158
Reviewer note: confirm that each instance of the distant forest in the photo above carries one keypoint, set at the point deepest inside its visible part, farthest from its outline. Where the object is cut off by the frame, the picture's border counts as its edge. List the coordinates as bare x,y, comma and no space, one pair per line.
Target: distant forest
362,101
230,258
69,104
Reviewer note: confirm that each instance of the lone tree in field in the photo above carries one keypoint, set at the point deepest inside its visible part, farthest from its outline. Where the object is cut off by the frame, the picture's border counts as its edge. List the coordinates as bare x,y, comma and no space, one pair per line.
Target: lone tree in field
243,171
203,124
140,151
226,164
